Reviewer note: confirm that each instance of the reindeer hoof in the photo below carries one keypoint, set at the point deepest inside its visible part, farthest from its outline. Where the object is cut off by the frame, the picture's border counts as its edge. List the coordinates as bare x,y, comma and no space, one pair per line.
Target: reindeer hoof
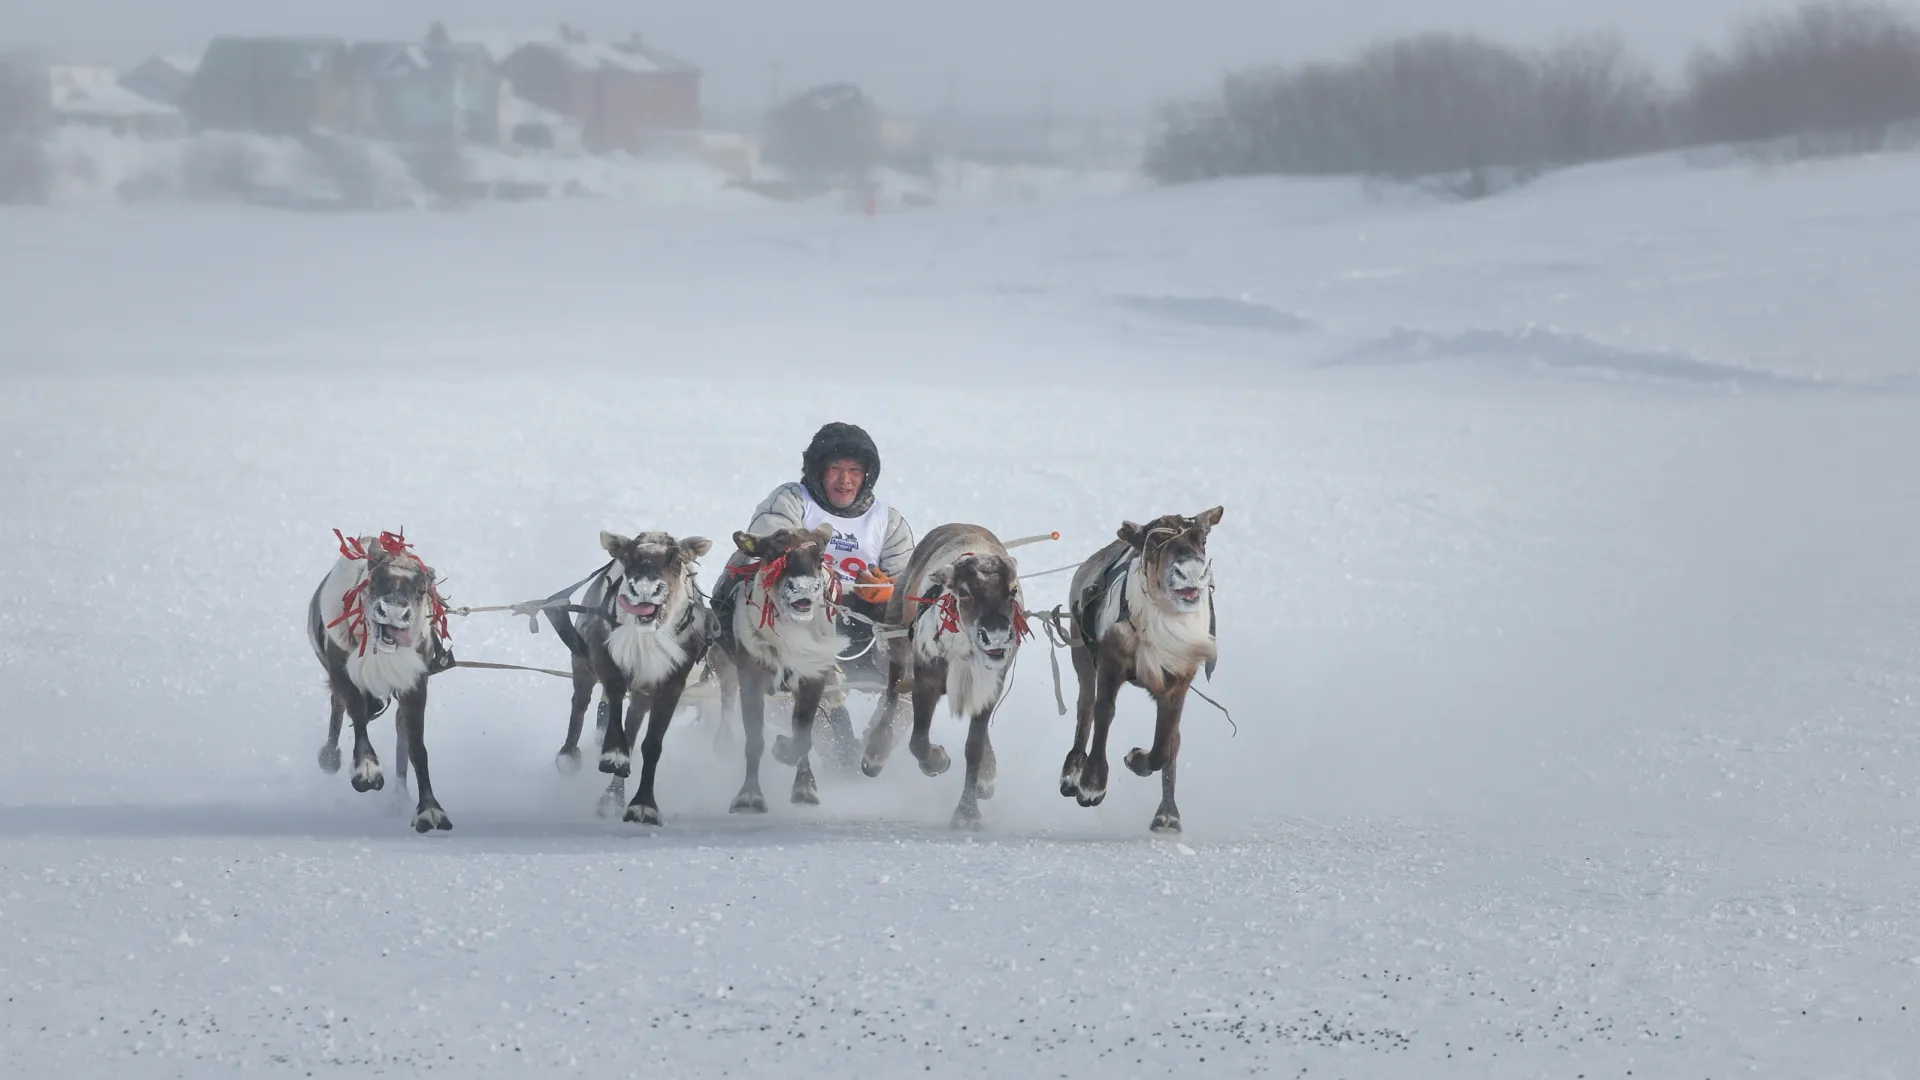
748,802
872,766
1166,821
1092,790
937,761
429,818
329,759
617,763
643,815
967,817
1139,762
567,760
367,775
612,799
1070,774
784,751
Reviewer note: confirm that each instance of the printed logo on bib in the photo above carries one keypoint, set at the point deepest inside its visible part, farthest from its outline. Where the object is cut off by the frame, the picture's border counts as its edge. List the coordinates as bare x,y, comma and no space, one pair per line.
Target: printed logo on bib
843,551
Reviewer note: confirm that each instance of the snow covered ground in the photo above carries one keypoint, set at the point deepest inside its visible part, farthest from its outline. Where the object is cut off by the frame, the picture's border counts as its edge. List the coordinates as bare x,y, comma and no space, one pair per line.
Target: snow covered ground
1569,613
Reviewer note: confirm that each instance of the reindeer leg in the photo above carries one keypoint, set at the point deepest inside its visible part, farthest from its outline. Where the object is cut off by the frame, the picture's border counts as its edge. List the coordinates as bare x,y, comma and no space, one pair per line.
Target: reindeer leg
615,797
728,681
1167,818
1093,776
989,771
1166,730
878,743
967,814
401,758
330,750
427,816
929,683
806,702
366,764
753,720
1084,670
613,744
568,759
644,810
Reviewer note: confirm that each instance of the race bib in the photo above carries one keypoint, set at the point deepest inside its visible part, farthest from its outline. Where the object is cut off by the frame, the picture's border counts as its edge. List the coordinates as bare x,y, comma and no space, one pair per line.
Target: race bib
857,542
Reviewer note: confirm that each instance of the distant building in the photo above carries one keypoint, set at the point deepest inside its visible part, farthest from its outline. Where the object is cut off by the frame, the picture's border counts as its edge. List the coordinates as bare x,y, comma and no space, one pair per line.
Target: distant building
162,78
620,93
90,95
274,86
435,92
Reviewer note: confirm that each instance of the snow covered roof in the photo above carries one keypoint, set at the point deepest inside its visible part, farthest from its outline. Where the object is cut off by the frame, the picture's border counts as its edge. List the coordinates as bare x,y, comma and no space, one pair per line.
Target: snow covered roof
111,100
586,54
516,110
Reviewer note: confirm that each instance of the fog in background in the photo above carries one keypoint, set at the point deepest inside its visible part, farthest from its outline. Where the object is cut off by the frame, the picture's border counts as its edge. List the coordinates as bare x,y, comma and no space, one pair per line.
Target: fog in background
1084,56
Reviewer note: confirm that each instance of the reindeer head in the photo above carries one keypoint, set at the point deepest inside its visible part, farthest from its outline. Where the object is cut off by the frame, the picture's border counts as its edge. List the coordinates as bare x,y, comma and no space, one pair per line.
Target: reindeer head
397,602
651,576
1174,556
986,592
793,567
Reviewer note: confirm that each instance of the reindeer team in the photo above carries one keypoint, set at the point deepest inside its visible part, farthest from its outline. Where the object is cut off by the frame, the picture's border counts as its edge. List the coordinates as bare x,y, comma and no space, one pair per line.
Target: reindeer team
1141,613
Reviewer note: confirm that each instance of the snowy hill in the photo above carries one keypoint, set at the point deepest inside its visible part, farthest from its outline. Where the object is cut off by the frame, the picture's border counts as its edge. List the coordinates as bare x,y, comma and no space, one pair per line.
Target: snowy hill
1568,618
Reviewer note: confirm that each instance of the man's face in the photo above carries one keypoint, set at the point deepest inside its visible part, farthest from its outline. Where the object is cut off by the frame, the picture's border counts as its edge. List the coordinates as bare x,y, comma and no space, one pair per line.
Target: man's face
843,482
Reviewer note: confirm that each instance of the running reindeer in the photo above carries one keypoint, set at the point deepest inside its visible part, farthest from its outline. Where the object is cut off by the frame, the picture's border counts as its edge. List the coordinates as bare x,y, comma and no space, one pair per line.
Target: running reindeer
1143,614
379,627
960,601
642,628
781,632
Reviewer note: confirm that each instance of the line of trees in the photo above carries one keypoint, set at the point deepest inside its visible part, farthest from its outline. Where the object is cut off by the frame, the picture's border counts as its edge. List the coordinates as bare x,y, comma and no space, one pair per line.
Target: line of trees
1836,74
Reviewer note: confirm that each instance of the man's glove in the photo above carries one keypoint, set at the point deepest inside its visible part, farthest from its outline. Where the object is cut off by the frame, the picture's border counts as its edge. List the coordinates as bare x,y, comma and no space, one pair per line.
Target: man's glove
873,586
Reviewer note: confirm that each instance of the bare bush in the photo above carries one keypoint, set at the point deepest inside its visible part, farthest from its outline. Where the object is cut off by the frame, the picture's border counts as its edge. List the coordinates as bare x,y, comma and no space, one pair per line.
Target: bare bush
1466,114
1839,69
1597,101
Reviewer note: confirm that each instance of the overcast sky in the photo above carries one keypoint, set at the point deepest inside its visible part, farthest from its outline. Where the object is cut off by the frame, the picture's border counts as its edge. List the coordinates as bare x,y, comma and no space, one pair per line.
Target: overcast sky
997,53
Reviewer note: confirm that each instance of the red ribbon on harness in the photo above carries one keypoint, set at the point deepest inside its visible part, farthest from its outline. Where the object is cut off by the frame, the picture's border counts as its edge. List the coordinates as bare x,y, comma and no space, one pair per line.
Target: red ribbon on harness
770,575
353,601
1021,631
949,611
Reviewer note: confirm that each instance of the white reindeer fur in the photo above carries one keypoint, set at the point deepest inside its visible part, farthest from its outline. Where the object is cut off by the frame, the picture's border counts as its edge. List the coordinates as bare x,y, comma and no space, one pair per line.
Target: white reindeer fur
381,674
974,683
644,653
1163,640
807,649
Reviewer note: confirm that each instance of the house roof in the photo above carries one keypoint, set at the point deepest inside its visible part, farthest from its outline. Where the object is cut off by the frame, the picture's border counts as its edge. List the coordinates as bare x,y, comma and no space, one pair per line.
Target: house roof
516,110
183,63
395,57
585,54
298,56
111,100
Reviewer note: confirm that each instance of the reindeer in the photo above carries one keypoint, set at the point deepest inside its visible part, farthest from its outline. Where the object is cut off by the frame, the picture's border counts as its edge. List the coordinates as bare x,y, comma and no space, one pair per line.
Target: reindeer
378,625
782,632
644,632
1143,611
960,601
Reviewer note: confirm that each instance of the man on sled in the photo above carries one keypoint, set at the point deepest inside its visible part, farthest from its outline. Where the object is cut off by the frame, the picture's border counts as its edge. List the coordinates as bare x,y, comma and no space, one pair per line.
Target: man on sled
871,545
